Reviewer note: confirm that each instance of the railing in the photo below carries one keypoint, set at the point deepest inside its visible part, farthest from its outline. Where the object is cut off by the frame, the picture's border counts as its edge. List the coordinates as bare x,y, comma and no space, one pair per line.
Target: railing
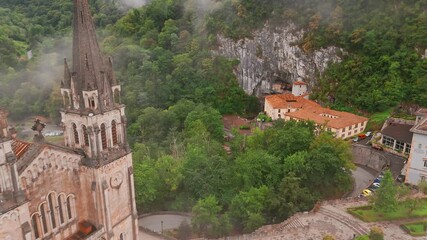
96,235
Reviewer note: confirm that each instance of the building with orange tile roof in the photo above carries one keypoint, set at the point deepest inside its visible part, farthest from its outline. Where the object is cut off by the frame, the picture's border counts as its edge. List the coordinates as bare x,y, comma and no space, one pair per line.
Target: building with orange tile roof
290,107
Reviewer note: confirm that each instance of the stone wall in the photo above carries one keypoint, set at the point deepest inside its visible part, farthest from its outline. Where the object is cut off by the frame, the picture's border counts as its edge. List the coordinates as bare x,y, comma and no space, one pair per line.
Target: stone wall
366,156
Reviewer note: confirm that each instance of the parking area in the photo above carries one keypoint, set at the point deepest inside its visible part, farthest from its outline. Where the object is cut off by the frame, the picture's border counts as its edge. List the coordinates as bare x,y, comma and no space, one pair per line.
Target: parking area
370,163
362,179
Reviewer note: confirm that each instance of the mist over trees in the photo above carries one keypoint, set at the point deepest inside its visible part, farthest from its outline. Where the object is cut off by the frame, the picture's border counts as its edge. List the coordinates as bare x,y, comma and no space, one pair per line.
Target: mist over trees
176,90
35,39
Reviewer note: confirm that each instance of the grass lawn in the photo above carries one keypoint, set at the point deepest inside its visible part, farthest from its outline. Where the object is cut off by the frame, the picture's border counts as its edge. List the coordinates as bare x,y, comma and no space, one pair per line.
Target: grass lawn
376,120
415,228
367,214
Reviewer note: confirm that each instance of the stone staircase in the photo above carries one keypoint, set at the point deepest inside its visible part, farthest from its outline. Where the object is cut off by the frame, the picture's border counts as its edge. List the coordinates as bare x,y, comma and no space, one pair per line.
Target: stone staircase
292,223
353,225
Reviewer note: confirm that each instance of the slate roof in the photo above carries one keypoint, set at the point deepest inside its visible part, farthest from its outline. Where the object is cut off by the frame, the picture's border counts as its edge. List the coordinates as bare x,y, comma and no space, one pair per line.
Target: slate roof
400,132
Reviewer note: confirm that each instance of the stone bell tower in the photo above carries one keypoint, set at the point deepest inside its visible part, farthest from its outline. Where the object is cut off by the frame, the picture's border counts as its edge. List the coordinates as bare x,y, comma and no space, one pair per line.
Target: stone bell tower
95,123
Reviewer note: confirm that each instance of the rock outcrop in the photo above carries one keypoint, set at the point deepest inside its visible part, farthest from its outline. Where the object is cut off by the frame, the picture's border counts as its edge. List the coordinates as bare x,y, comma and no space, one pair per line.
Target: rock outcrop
274,56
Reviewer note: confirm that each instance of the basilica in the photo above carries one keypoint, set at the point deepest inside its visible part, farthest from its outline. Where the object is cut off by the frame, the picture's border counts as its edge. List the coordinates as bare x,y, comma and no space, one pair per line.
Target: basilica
83,189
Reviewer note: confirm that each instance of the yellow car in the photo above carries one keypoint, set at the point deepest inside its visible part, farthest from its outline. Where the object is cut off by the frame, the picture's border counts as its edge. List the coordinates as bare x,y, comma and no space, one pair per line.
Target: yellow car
366,192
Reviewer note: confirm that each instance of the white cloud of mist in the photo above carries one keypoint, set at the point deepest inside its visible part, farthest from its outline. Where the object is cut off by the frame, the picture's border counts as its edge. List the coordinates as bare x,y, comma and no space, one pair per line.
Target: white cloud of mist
132,3
201,8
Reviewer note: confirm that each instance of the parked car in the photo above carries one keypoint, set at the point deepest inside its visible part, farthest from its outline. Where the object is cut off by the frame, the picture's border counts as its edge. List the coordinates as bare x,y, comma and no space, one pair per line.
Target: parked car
366,192
356,139
368,134
361,136
376,184
377,180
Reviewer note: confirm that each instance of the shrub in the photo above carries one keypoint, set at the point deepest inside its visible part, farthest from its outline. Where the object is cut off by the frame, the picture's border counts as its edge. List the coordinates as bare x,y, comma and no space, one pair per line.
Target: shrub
422,186
328,237
184,231
376,233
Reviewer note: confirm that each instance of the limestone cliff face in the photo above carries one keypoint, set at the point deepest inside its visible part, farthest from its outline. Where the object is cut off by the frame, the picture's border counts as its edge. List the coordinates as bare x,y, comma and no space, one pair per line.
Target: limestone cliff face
273,55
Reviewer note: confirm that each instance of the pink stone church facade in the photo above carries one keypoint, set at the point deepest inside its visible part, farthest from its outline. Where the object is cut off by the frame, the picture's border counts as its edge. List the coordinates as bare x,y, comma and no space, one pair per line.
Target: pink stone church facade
84,189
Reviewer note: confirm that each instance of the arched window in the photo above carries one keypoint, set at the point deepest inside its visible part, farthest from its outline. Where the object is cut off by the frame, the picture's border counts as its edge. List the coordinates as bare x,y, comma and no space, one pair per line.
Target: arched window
122,236
85,135
35,225
116,96
69,205
61,209
43,218
76,134
51,200
114,132
103,137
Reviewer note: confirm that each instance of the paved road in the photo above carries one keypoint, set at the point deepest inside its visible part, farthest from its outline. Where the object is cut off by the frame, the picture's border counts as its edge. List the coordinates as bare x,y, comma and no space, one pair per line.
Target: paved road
162,221
145,236
363,177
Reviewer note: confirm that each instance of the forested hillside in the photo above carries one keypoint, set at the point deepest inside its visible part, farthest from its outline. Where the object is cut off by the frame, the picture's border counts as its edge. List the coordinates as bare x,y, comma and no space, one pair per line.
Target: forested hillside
383,40
42,27
176,90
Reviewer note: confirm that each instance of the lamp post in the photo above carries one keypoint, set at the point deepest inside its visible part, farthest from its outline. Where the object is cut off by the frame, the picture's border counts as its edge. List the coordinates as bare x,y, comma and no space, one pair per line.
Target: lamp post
161,222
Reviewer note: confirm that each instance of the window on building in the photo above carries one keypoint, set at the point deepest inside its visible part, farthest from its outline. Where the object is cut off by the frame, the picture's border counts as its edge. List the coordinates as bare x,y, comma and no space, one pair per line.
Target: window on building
343,135
43,218
357,125
76,134
349,128
103,137
279,110
114,132
60,208
69,205
92,102
425,163
35,225
52,209
122,236
116,96
399,146
408,148
85,135
388,141
420,146
355,131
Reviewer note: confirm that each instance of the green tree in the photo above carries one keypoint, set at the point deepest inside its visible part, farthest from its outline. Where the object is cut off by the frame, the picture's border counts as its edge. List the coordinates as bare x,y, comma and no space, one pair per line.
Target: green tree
290,198
247,208
255,168
205,216
385,199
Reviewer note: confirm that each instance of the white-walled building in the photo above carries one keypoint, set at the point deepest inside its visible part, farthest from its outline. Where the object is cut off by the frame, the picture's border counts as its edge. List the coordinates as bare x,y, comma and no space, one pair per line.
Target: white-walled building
299,88
417,163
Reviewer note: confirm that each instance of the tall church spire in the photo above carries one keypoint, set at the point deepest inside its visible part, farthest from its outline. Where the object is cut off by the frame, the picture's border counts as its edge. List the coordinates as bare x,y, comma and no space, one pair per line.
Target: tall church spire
93,114
90,84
